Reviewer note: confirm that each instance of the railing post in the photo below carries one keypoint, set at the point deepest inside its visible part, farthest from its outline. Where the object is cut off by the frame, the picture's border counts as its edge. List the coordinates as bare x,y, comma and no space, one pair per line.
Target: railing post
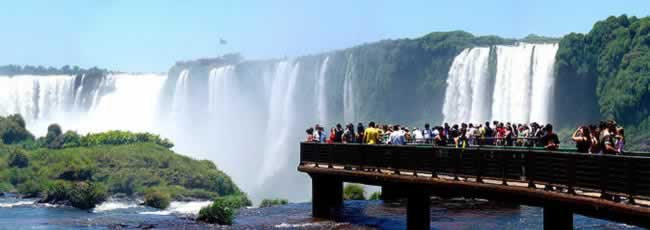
531,165
571,173
434,163
456,158
394,154
604,172
479,173
362,151
630,179
330,155
504,167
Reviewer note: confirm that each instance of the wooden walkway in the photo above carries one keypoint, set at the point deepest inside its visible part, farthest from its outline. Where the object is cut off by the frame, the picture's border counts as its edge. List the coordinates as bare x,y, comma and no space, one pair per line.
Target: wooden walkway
603,186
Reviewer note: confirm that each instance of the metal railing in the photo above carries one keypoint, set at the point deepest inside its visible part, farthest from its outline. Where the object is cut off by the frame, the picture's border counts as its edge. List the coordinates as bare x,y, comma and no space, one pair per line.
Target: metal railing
624,176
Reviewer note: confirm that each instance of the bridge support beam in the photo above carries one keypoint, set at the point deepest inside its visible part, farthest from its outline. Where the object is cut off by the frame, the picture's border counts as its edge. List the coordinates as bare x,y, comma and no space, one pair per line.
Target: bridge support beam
557,218
418,212
392,192
327,196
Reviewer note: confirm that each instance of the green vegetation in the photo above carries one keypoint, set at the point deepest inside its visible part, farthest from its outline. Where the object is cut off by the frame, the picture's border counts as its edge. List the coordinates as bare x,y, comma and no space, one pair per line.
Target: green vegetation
12,130
354,192
612,64
273,202
83,170
157,199
12,70
222,210
375,196
385,70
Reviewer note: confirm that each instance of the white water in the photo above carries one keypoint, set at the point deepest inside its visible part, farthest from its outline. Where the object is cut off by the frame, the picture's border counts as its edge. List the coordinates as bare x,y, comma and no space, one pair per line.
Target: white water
321,108
181,208
543,62
111,205
37,98
522,85
466,87
181,93
16,204
281,119
349,105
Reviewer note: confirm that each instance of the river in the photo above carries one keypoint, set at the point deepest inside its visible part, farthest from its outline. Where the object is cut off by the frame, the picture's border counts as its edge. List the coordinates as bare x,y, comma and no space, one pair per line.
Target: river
445,214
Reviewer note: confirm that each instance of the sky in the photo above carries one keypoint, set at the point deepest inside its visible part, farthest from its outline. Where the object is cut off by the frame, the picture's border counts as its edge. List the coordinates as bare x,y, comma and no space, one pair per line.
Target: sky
150,36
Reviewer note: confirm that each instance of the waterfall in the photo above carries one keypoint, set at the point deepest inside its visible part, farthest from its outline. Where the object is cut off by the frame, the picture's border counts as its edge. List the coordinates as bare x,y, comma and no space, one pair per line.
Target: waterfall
37,98
321,109
349,115
181,91
129,103
465,97
281,119
219,98
521,90
511,101
543,63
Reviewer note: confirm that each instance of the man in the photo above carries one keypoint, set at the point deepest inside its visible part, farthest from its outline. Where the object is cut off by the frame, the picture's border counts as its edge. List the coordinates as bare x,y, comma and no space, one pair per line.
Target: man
397,137
418,136
338,134
608,138
371,134
550,139
427,133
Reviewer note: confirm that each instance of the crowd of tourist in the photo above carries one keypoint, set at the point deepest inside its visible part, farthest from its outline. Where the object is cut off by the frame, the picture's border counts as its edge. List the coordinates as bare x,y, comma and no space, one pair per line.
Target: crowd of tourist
604,138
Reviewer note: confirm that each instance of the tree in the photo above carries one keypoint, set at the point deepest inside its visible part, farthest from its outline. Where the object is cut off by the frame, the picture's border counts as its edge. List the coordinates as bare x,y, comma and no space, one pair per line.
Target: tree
18,159
354,192
53,139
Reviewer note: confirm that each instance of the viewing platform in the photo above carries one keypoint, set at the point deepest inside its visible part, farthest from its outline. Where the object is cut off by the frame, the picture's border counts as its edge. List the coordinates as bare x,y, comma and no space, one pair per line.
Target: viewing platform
611,187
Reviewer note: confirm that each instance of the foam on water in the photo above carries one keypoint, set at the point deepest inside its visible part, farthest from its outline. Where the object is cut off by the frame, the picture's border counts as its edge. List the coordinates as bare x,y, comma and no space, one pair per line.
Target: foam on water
180,208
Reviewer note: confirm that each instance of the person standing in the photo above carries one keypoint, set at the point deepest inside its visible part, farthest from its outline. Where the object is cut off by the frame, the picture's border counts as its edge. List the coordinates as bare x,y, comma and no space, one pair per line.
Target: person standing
360,131
582,137
620,139
397,137
550,139
371,134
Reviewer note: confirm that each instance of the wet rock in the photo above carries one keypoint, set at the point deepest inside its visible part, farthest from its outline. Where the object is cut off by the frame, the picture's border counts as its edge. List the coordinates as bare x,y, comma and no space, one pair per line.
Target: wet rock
146,226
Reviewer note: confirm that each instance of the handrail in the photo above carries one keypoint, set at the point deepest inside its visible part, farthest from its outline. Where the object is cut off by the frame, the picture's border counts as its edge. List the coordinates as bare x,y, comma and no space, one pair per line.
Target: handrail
609,174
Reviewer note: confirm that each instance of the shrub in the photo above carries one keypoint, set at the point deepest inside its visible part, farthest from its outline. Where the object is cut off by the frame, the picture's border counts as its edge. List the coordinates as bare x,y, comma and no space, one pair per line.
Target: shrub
117,137
29,189
86,195
157,199
236,201
12,130
375,196
354,192
71,139
54,139
272,202
219,212
18,159
56,191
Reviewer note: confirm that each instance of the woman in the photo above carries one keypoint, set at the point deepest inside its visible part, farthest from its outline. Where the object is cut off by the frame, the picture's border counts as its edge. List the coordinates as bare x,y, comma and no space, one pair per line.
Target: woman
595,141
509,136
582,138
620,139
360,130
310,135
332,136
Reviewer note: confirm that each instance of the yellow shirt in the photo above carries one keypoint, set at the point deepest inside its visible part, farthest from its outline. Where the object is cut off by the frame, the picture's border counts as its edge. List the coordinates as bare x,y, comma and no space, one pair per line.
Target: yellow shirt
371,135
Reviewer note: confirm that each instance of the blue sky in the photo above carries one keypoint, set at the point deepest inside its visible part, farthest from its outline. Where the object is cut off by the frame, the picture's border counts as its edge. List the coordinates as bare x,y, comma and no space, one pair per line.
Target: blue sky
151,35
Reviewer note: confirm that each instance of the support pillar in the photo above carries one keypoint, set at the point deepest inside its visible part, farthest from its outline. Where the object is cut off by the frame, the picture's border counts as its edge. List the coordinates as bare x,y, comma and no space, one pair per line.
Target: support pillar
327,196
418,212
392,192
557,218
